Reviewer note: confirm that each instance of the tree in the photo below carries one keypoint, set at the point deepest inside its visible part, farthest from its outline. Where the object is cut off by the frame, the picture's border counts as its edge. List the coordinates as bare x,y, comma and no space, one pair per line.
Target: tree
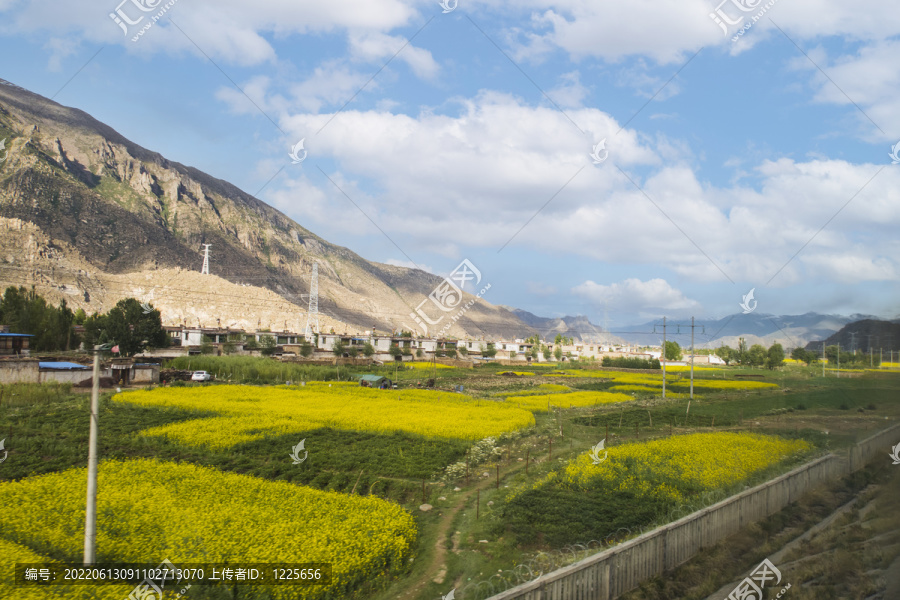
25,311
757,355
206,345
419,353
775,356
368,350
741,351
558,353
545,349
807,356
558,340
726,353
267,345
128,326
353,352
451,353
338,348
80,316
673,350
306,349
250,343
488,352
463,350
396,352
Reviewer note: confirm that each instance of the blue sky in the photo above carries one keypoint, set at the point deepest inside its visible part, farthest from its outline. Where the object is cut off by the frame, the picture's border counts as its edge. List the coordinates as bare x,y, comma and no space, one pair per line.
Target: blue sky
717,180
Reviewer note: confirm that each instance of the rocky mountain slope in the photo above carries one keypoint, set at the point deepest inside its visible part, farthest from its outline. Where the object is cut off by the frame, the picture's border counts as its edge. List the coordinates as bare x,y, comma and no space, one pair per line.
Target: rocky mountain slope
578,328
102,218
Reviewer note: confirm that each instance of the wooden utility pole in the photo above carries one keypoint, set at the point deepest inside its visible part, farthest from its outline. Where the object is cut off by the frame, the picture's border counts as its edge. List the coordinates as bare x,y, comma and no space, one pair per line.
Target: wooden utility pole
664,359
90,519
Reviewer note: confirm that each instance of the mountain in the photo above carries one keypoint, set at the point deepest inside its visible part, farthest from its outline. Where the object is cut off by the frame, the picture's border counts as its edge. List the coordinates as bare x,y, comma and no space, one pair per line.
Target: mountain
577,328
863,335
88,216
790,331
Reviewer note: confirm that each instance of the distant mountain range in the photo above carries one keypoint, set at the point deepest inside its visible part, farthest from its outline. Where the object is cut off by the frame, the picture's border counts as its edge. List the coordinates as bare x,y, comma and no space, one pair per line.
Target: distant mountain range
578,328
790,331
862,336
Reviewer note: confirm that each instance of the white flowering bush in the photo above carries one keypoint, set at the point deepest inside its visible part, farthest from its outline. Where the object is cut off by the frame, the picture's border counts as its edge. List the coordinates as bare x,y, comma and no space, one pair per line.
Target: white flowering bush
482,451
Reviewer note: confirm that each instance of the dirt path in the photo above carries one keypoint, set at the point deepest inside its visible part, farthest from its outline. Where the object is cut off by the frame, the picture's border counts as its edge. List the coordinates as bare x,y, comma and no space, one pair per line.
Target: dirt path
437,568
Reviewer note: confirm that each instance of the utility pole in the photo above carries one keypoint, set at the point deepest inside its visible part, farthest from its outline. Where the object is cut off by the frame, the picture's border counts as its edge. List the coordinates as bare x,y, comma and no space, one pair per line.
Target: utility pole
664,358
692,358
90,519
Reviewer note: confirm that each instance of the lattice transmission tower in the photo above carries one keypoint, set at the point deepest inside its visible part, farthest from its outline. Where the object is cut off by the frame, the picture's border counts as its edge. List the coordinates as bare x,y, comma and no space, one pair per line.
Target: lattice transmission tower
205,269
312,317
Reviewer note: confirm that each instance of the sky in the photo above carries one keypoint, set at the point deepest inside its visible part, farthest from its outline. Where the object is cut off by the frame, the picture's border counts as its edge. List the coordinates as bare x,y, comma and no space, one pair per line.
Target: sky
620,160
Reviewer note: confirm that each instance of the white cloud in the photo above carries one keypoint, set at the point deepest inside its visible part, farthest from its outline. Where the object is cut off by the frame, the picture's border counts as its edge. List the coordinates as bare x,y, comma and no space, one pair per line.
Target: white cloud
479,177
635,295
372,46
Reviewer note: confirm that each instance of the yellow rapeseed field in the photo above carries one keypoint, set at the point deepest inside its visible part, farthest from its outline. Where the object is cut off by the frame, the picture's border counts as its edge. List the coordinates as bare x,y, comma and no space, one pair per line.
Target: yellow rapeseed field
544,388
676,467
680,380
643,388
13,553
149,510
539,403
246,413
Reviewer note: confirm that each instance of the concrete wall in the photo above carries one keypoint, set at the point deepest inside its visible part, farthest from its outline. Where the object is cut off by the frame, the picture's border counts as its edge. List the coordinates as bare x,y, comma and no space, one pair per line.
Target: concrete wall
613,572
72,376
20,371
146,374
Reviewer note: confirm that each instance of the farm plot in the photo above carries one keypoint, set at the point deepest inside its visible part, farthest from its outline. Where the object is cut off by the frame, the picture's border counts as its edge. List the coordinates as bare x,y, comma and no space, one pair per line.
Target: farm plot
188,513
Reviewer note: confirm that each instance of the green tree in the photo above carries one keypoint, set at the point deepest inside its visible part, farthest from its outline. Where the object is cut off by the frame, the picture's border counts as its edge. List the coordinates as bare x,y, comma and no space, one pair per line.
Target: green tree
757,355
419,353
558,353
206,345
726,353
306,349
25,311
353,352
741,351
250,343
545,349
80,316
127,326
775,356
267,345
488,352
463,350
396,352
338,348
673,350
368,350
807,356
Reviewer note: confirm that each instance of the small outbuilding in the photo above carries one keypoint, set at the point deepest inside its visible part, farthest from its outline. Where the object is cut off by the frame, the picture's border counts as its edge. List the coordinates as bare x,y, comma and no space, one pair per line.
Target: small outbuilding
63,372
375,381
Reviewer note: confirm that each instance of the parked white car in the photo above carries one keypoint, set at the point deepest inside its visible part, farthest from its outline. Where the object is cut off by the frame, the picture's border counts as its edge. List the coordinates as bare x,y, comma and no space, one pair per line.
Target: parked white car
201,376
